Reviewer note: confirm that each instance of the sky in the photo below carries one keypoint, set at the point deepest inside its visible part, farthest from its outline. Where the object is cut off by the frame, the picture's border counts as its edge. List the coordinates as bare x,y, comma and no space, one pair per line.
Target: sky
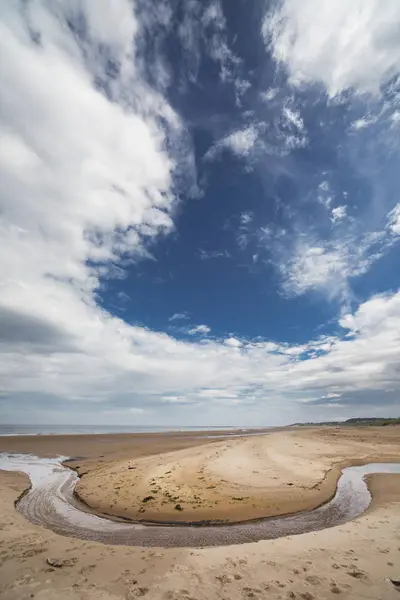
199,211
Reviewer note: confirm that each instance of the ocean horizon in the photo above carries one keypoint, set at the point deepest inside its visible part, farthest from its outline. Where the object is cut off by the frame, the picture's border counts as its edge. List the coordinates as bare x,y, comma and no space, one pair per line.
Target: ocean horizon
10,430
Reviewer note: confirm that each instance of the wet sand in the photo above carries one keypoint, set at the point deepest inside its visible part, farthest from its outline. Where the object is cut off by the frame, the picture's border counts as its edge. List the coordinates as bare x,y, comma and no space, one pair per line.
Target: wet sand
103,448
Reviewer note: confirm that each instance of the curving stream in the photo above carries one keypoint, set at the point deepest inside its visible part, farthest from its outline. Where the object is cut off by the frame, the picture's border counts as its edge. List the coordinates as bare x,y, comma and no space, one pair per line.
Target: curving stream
51,503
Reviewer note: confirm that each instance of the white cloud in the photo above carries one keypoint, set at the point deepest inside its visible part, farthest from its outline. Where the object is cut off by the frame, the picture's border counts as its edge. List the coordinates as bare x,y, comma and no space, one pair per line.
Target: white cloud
326,261
339,213
232,342
337,43
273,379
317,268
203,29
363,123
269,95
84,174
174,399
394,220
87,179
291,129
282,132
293,117
246,217
179,316
199,329
241,85
239,142
207,254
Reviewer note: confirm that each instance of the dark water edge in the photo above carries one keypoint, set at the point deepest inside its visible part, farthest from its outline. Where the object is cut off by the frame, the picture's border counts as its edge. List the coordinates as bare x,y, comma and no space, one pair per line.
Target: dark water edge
8,430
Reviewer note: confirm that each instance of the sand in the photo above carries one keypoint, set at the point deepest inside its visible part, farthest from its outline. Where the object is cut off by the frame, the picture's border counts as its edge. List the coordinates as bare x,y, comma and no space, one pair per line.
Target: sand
238,479
103,448
353,561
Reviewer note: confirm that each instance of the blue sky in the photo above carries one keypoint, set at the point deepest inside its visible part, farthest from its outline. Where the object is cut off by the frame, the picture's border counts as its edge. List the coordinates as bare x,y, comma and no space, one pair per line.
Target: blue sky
200,216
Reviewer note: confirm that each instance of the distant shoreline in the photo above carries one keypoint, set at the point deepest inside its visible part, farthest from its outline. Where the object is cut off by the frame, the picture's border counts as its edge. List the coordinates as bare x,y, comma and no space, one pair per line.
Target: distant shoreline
26,430
59,430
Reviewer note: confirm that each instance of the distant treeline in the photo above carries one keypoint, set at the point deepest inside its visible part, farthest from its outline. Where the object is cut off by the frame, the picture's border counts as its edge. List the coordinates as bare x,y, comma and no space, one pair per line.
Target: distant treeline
377,421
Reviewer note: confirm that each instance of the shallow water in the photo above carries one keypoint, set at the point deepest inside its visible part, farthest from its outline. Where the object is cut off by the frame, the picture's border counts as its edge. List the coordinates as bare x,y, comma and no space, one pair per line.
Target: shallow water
51,504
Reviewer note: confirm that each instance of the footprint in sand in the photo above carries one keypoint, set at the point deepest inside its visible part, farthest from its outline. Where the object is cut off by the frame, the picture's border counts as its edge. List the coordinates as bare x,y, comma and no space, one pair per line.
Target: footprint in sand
178,595
223,579
249,592
357,574
313,579
136,592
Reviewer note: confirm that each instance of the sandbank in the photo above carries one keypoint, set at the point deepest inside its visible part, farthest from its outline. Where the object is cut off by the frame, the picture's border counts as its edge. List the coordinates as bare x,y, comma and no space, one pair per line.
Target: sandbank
236,479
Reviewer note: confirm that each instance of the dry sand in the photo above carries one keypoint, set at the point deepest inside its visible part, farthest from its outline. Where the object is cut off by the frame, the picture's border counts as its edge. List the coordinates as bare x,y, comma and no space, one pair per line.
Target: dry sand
353,561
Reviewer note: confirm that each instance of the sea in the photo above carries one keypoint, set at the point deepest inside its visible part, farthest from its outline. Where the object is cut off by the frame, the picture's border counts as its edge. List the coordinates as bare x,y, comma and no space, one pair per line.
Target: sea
7,430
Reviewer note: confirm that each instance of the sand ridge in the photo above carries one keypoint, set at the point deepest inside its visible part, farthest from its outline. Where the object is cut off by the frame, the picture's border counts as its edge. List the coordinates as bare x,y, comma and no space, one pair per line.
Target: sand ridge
235,480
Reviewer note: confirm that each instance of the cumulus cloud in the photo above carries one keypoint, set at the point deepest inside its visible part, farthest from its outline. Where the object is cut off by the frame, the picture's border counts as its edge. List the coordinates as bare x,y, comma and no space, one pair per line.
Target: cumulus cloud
339,44
86,178
232,342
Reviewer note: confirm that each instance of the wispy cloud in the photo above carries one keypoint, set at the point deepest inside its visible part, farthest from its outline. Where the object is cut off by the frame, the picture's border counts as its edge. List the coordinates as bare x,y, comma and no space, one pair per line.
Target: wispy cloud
339,213
199,330
394,220
239,142
208,254
328,264
246,218
202,31
182,316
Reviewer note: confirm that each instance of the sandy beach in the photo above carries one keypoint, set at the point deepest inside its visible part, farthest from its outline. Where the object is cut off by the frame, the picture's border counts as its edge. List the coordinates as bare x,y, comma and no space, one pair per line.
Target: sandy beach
354,560
234,480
